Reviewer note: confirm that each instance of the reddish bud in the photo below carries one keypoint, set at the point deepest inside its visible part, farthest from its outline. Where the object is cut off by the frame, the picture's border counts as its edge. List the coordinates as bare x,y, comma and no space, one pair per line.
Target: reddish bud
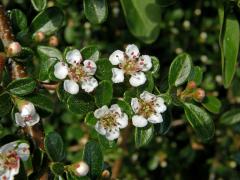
106,174
199,94
14,49
191,85
39,36
81,168
53,41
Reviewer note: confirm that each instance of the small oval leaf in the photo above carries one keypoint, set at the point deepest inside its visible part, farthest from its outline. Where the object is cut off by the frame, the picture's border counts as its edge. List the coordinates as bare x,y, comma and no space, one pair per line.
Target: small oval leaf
143,135
21,87
104,93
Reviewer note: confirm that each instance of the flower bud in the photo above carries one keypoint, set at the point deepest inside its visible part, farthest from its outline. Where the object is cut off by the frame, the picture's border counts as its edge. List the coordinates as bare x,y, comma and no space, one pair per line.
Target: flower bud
106,174
81,168
53,41
199,95
191,85
39,36
14,49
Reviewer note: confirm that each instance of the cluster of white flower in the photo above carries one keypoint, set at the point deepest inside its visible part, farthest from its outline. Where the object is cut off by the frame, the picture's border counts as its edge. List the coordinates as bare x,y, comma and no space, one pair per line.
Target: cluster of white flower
110,121
77,73
147,108
10,155
27,116
130,63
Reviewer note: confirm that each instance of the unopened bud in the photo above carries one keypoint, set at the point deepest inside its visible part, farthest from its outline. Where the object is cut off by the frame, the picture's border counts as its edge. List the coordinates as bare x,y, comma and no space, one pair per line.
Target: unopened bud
191,85
199,94
81,168
106,174
14,49
39,36
53,41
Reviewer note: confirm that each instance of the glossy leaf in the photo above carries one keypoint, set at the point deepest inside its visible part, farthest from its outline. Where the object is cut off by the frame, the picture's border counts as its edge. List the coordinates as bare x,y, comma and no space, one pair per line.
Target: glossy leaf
125,107
163,128
230,117
104,93
48,21
94,158
200,121
196,75
143,19
212,104
165,3
180,70
21,87
230,47
81,104
104,69
144,135
156,66
26,55
18,20
96,11
90,52
39,5
54,146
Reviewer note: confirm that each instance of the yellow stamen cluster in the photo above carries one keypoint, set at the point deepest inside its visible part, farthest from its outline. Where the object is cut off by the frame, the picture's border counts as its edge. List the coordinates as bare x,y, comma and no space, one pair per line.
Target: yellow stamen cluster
76,73
146,108
109,121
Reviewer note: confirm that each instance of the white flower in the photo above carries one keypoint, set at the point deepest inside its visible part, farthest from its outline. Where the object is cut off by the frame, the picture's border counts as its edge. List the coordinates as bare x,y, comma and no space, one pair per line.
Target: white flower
130,64
147,109
110,121
10,155
78,74
27,116
81,168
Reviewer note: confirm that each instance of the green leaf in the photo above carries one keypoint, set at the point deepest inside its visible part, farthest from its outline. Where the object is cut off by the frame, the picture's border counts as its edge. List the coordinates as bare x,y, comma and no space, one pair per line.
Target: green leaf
25,55
81,104
39,5
200,121
104,69
48,21
41,101
230,48
21,87
230,117
104,93
125,107
156,66
212,104
48,56
196,75
96,11
90,52
143,19
5,104
180,70
162,128
62,94
105,143
57,168
54,146
165,3
90,119
143,136
94,158
18,20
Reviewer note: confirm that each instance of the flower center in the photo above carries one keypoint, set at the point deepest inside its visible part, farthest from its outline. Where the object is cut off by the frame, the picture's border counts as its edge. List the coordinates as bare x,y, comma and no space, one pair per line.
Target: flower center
28,118
11,160
109,121
76,73
146,108
129,66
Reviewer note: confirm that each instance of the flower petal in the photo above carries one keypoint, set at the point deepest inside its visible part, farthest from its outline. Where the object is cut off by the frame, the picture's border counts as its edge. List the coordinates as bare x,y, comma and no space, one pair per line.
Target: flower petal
155,118
100,129
116,57
139,121
117,75
89,84
147,96
145,62
116,109
90,67
60,70
101,112
137,79
8,147
74,57
132,51
35,118
71,86
28,109
135,105
112,134
122,121
159,105
19,120
23,151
